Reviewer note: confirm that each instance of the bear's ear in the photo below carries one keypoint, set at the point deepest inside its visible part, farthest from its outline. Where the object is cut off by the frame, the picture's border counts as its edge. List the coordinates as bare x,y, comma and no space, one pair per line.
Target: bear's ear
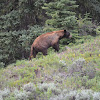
64,31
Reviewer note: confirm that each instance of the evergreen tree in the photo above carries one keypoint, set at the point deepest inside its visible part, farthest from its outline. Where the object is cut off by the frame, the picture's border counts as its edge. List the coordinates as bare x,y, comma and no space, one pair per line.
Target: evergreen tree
61,13
19,14
16,33
89,6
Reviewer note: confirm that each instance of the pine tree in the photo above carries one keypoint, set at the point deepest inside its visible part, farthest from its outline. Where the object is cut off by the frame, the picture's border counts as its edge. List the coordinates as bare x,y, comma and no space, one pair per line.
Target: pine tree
61,13
16,33
89,6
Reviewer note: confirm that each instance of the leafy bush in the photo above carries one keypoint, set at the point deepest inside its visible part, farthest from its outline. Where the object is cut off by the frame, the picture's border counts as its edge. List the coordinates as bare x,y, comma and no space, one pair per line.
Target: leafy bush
48,91
31,91
2,64
49,86
81,68
20,95
77,95
86,27
30,87
84,95
4,93
98,30
96,96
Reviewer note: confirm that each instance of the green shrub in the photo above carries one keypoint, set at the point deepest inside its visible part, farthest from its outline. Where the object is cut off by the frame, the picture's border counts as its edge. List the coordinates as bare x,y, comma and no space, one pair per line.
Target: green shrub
98,30
81,68
4,93
86,27
77,95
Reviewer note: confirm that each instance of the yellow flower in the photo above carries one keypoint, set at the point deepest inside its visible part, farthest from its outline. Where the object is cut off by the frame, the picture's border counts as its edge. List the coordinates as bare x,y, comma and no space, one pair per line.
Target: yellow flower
82,55
74,55
99,55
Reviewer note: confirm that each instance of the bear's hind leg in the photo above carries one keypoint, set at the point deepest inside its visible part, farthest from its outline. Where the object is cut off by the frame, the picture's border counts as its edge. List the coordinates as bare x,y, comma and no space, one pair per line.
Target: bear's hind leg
34,53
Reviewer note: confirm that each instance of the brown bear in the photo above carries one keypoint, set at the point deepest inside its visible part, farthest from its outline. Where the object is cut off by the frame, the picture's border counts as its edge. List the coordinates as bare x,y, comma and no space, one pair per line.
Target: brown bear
44,41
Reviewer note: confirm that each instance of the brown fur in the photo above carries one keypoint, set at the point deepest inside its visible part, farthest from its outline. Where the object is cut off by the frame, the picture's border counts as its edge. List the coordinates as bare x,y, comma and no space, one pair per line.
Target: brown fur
44,41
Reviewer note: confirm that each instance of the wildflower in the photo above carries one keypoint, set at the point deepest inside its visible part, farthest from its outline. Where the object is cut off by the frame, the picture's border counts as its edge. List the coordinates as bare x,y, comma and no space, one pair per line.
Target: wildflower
62,62
74,55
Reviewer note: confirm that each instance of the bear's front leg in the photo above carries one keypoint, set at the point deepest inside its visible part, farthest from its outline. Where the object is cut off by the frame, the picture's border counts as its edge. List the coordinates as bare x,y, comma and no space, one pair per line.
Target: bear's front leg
56,47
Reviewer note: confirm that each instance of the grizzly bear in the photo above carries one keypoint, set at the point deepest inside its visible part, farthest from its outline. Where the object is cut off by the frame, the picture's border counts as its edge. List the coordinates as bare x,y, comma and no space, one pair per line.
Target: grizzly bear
44,41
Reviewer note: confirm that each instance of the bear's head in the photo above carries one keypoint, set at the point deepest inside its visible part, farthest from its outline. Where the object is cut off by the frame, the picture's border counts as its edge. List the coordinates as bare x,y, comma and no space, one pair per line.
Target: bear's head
67,34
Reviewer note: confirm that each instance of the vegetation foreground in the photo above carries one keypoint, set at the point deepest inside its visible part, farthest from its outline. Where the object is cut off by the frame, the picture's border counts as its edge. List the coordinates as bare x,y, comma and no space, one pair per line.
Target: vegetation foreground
72,74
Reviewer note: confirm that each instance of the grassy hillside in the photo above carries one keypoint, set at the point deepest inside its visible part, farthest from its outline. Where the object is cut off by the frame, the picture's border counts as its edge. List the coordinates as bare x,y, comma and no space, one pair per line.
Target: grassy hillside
58,76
